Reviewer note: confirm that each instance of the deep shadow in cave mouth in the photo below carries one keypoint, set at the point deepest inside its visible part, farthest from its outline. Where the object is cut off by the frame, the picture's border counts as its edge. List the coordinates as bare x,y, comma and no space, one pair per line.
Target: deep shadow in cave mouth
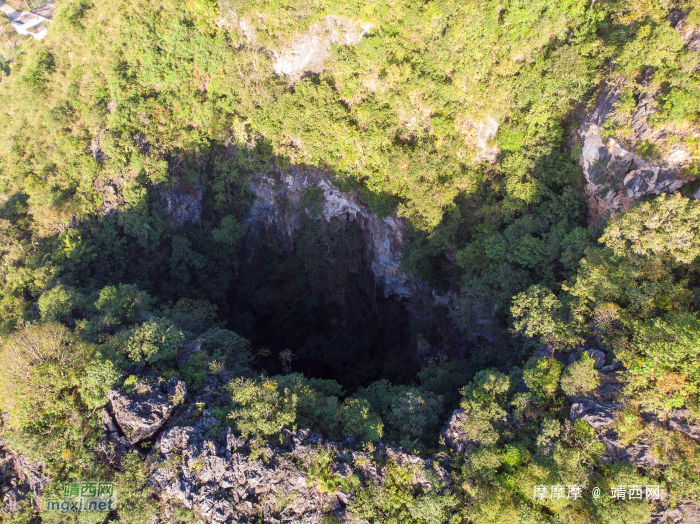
325,307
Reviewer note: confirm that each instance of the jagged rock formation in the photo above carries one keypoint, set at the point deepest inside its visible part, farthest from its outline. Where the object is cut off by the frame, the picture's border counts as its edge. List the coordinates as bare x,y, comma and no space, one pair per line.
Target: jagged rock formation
615,159
453,432
384,237
601,411
198,464
19,477
182,203
141,412
617,176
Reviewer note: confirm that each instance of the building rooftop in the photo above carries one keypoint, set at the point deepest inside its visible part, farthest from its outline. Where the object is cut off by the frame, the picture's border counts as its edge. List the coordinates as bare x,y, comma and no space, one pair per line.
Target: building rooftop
45,10
27,19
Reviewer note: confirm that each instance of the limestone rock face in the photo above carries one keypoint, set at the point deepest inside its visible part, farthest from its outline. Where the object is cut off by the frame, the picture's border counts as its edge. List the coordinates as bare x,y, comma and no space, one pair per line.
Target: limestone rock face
308,51
617,175
142,412
217,478
689,32
22,477
453,432
680,421
182,203
383,237
637,453
598,414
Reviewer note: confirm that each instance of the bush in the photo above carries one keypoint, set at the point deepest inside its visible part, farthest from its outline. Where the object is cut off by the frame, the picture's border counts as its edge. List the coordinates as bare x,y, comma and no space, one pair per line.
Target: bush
259,408
542,375
42,365
153,341
580,378
357,420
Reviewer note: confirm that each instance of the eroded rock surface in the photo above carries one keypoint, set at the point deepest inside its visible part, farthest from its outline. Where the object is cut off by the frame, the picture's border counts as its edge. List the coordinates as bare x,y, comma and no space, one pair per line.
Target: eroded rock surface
308,51
18,478
617,176
142,412
453,432
383,237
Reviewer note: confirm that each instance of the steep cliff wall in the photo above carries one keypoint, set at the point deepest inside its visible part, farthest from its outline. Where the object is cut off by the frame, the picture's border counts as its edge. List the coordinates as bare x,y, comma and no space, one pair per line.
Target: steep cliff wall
280,202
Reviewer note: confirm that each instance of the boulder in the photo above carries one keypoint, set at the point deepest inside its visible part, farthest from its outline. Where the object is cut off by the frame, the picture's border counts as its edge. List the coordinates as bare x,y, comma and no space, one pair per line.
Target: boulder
112,445
680,421
142,412
598,414
598,356
453,432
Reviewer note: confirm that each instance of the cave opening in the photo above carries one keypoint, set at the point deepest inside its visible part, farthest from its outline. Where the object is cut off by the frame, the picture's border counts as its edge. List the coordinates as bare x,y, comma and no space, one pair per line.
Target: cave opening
317,298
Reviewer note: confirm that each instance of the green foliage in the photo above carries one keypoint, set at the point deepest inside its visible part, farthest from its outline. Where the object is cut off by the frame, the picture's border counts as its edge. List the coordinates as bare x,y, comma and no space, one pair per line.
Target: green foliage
317,407
193,316
665,228
227,347
42,364
483,401
663,354
357,420
318,466
56,304
123,304
535,312
155,340
580,378
414,412
230,231
259,408
398,501
542,375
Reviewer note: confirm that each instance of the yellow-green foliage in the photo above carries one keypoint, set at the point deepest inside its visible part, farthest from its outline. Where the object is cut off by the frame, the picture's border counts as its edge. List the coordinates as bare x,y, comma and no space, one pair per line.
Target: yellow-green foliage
580,378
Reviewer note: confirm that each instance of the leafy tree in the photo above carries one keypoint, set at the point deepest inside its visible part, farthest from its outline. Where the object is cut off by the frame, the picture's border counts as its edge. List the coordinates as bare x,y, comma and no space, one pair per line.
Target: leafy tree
483,402
123,304
665,227
542,375
43,365
580,378
57,303
413,413
153,341
536,313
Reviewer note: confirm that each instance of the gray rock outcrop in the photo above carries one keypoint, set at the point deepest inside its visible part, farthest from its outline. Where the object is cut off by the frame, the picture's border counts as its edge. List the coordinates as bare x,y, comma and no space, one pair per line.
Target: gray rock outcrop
681,421
617,176
19,477
383,237
453,433
308,51
142,412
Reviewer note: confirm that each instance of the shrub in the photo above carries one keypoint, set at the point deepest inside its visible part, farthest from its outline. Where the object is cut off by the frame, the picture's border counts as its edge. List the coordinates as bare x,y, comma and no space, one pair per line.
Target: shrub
541,375
413,413
152,341
580,378
259,408
357,420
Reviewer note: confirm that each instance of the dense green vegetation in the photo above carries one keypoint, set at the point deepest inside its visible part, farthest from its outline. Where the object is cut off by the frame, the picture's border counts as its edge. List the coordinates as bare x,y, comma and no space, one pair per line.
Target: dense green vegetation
128,105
